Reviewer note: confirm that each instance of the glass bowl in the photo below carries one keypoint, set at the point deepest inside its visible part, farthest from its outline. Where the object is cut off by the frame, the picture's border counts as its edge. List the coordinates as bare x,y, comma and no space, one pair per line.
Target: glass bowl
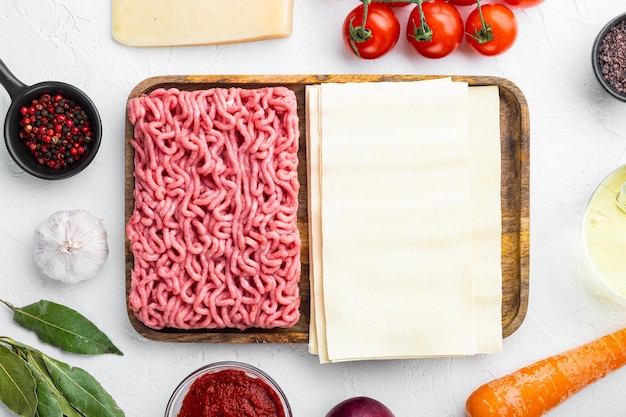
176,400
597,60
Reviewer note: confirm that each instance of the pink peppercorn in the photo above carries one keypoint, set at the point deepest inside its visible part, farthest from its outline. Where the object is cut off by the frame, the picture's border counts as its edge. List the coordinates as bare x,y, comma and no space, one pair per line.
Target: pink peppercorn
48,119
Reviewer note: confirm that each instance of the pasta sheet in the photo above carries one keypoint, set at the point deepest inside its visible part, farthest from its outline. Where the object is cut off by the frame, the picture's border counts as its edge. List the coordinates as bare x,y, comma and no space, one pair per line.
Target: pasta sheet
392,222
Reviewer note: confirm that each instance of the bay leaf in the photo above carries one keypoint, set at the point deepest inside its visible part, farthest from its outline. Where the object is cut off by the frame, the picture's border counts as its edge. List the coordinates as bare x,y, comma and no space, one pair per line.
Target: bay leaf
17,384
82,390
47,405
64,328
36,362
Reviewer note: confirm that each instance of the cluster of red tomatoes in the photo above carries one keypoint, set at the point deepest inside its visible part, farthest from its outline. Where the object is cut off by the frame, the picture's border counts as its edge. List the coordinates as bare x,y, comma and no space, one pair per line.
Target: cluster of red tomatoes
435,28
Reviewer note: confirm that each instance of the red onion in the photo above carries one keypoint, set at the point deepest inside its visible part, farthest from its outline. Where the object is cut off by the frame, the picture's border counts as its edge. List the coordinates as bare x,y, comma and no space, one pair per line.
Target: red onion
360,407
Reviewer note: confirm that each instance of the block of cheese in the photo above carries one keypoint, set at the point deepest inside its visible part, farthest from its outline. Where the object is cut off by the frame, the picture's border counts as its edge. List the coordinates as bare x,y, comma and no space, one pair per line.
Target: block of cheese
199,22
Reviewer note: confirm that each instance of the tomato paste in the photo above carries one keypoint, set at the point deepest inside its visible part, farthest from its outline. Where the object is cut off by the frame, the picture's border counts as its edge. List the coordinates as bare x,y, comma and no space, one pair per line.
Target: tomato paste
231,393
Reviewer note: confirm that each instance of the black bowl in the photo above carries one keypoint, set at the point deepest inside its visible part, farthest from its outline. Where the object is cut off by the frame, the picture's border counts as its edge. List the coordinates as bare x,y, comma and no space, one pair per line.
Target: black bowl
596,62
22,95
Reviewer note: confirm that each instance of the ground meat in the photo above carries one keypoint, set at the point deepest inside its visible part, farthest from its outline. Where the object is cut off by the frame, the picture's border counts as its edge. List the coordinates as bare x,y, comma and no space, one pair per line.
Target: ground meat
214,227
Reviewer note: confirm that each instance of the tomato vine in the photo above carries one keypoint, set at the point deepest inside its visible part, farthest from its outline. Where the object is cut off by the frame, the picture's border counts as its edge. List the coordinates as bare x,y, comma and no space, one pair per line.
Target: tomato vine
372,29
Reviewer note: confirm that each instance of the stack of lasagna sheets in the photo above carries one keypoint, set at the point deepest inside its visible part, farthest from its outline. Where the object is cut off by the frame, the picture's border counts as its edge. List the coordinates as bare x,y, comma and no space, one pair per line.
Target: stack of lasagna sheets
405,219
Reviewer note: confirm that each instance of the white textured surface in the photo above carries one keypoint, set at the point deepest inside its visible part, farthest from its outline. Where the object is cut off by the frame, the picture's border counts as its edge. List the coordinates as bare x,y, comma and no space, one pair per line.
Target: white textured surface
578,135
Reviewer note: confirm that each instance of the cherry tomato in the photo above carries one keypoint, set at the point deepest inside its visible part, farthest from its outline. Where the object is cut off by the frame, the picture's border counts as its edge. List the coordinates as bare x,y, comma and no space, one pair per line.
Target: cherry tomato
496,34
377,36
463,2
443,30
524,3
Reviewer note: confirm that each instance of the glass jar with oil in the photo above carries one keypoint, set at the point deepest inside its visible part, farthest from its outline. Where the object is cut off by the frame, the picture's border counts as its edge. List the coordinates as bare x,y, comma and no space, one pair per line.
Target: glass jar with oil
604,237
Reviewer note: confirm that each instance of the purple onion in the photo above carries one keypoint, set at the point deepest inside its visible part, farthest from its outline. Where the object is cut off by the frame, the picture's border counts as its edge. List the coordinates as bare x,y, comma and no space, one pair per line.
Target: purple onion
360,407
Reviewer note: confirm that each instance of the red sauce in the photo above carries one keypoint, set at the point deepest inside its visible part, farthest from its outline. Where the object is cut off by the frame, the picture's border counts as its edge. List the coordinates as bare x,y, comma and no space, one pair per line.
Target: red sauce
230,393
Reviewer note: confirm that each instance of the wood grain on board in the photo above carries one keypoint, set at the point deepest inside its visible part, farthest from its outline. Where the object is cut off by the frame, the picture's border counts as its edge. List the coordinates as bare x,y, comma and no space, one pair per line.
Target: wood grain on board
515,198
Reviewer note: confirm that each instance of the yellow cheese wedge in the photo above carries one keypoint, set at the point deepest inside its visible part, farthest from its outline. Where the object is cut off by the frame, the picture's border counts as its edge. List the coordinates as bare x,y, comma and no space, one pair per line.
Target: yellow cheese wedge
199,22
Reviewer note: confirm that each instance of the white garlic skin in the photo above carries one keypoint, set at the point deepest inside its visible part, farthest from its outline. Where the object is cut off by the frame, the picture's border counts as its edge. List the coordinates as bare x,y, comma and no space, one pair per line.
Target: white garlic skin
71,246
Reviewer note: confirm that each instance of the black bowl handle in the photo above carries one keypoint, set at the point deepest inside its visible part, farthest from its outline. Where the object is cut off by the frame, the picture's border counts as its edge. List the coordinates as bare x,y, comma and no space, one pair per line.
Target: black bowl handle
13,86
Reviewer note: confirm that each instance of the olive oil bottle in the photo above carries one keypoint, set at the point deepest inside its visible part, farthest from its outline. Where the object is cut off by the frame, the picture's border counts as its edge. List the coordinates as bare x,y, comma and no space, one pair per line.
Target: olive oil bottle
604,236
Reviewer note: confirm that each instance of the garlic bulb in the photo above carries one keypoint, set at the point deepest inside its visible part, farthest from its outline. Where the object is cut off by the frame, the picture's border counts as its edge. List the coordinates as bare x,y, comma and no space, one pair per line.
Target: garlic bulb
71,246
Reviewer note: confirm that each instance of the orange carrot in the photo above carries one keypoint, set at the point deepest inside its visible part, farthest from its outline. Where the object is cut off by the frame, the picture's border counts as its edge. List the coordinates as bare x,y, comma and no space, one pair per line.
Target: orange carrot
535,389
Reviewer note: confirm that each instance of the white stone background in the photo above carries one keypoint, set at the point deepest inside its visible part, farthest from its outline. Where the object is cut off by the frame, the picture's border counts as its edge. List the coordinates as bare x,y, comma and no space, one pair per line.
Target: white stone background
578,135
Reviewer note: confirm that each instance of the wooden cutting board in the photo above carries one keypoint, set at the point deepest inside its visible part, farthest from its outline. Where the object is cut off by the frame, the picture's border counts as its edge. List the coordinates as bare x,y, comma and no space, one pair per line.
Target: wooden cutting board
199,22
515,198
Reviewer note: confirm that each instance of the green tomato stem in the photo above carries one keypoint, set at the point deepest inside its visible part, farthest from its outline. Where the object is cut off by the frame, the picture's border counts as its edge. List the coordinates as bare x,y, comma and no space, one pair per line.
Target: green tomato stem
423,33
484,33
366,6
361,33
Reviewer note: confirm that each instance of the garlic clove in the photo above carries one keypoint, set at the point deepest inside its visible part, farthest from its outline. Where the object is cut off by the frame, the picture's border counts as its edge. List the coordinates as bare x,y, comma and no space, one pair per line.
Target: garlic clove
70,246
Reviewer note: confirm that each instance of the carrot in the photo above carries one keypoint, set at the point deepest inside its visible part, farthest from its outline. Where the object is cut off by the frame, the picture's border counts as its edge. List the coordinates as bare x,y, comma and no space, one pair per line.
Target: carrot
535,389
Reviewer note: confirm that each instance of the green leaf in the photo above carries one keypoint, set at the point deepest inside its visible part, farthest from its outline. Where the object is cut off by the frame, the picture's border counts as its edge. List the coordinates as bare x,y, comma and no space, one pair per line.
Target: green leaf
82,390
64,328
38,368
17,384
47,406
